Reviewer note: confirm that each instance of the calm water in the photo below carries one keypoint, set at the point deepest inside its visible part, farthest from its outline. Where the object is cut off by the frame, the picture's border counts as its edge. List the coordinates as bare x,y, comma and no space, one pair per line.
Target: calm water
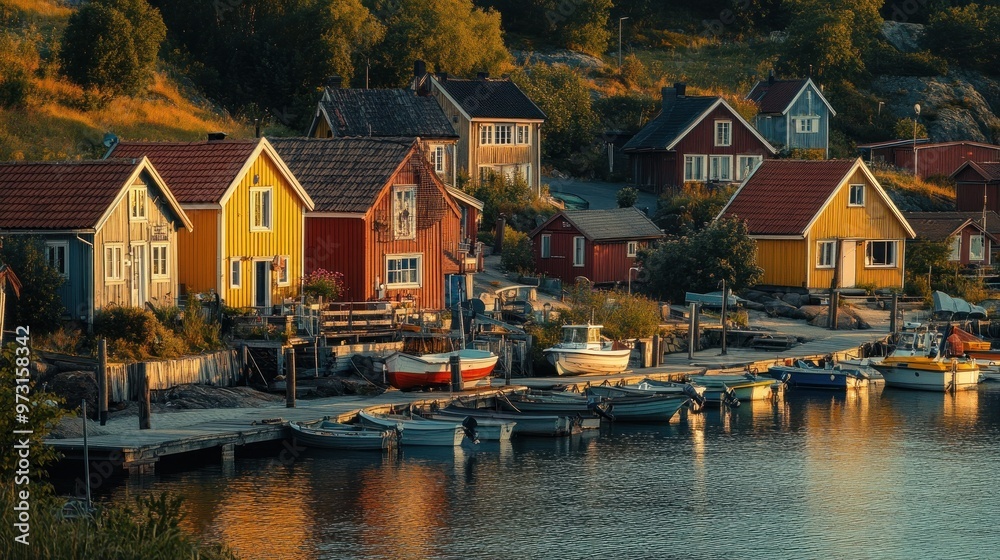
881,474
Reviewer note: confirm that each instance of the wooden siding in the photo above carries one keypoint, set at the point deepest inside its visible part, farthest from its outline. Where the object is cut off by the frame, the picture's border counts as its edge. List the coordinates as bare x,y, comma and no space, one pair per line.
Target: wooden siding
783,261
461,125
333,244
803,107
604,262
970,190
284,238
322,128
939,160
220,369
198,253
610,262
450,147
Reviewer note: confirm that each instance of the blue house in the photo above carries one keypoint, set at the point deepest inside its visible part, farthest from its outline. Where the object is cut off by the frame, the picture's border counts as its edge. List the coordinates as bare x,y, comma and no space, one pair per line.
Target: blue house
109,228
793,114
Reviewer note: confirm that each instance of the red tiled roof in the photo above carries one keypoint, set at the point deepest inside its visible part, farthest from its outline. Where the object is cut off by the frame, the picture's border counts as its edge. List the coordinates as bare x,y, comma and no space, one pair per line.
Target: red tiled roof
782,196
58,196
196,172
775,97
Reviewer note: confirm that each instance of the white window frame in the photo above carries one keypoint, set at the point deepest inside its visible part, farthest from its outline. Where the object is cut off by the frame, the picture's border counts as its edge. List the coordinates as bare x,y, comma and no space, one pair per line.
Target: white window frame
437,158
689,174
632,249
746,164
579,251
973,254
52,258
262,220
159,261
723,133
137,202
485,134
856,196
806,125
404,212
114,265
523,134
419,274
720,168
503,134
283,277
545,246
826,254
893,253
956,248
235,273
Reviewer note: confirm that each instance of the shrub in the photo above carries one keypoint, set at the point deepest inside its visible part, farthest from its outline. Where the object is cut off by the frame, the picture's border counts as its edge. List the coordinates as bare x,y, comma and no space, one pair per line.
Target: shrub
135,334
39,304
627,197
323,283
517,255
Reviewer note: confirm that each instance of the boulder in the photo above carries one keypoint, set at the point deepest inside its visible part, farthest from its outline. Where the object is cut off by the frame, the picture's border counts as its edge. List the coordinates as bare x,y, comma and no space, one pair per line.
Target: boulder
75,386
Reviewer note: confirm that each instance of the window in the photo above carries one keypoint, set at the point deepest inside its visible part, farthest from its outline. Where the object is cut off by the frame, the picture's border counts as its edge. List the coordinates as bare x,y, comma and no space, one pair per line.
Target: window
113,263
825,252
523,134
137,204
161,262
260,209
632,249
546,246
745,166
524,170
720,168
404,212
504,134
723,133
806,125
282,271
235,273
694,168
437,158
485,134
956,248
881,253
857,196
55,256
977,245
579,243
402,271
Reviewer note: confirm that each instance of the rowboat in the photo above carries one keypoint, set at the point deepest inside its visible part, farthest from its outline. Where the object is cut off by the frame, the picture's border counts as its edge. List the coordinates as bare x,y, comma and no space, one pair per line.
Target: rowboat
919,362
812,375
731,389
486,429
582,351
638,408
653,387
416,432
562,403
527,424
333,435
407,372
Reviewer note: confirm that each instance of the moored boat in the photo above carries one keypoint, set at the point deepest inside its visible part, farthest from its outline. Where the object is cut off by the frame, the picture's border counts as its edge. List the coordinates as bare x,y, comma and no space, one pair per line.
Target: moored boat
587,411
652,387
485,429
732,389
416,432
638,408
332,435
526,424
809,374
920,362
582,351
408,372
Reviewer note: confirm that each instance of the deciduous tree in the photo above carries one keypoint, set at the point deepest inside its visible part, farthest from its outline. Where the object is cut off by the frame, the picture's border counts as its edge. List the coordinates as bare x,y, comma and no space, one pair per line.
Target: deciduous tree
38,306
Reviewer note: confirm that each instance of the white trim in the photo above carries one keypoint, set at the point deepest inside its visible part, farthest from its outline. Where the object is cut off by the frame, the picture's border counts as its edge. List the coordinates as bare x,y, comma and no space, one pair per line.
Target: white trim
267,210
119,278
850,195
895,253
583,251
286,260
631,249
735,114
64,245
727,168
704,168
144,164
729,133
165,249
404,285
818,92
264,146
235,281
833,253
134,196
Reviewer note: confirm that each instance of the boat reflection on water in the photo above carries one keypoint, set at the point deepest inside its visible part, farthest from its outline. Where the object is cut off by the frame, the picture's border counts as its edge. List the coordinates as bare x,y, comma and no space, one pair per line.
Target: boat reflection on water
958,410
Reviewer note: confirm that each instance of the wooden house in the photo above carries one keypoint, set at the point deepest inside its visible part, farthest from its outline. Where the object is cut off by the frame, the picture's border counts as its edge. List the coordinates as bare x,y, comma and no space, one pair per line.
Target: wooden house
248,211
696,139
932,158
499,128
110,229
966,233
822,224
601,245
383,218
793,114
977,187
393,113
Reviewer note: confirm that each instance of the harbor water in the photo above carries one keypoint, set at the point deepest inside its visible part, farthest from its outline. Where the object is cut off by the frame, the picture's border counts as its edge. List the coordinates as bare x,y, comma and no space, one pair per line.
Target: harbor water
877,473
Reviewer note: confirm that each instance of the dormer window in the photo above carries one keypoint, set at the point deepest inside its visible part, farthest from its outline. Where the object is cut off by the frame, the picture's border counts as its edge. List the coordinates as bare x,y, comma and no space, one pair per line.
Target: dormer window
723,133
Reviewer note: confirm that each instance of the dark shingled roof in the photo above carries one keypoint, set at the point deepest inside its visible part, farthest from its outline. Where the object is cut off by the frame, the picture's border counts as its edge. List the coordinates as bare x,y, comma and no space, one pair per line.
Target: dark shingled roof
385,112
674,119
57,196
989,171
613,224
775,97
343,174
491,99
939,226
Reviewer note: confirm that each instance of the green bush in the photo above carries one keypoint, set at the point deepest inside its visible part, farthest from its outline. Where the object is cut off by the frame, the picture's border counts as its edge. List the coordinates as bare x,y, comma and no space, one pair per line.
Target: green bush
517,255
135,334
39,304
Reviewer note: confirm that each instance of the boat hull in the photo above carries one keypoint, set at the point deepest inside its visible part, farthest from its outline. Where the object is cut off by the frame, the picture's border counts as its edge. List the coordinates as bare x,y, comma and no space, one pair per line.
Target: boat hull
486,429
644,408
818,378
418,432
926,374
581,361
407,372
739,386
341,436
548,425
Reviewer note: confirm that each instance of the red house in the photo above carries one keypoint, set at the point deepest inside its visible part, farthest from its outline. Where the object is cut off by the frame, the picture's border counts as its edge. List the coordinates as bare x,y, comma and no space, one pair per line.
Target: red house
694,139
383,218
600,245
932,158
977,187
967,235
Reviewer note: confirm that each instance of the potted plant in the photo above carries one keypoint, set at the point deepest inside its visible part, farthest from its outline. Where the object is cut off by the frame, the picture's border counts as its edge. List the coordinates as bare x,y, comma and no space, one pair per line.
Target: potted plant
322,283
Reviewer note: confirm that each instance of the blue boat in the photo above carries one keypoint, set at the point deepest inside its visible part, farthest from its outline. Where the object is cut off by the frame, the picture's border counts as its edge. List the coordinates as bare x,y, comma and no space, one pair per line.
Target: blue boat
812,375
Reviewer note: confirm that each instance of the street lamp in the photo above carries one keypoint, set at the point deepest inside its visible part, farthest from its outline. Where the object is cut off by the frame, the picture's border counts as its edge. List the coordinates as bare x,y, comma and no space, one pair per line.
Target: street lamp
620,20
635,268
916,110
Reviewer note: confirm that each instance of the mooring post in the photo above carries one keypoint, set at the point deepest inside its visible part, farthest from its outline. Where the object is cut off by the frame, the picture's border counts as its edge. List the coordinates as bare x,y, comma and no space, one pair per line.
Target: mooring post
834,309
893,325
102,381
86,452
316,357
244,363
145,409
290,378
657,355
456,372
692,334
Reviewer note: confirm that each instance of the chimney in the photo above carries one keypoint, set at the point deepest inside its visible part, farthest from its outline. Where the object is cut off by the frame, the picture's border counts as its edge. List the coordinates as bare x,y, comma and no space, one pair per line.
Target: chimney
679,87
334,82
216,136
770,77
419,68
481,76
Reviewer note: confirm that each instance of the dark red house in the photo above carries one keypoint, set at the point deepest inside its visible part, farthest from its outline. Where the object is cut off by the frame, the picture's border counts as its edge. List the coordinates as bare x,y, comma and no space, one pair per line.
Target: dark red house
977,187
967,234
600,245
694,139
932,158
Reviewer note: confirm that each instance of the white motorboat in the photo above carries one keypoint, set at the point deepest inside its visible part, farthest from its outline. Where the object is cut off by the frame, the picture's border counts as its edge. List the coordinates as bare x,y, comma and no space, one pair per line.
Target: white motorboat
919,362
583,351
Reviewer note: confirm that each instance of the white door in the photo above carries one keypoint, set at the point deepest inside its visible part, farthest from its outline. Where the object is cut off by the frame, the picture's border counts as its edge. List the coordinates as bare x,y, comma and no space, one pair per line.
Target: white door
140,275
848,263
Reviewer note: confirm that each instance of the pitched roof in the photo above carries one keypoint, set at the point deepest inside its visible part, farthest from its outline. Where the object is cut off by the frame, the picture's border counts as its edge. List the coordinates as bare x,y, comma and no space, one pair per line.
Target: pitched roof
490,98
776,96
672,122
68,195
384,112
609,225
990,171
782,197
939,226
344,174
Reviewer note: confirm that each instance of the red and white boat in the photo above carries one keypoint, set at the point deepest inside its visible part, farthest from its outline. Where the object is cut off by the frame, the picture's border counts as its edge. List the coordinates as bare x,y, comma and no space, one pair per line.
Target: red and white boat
406,371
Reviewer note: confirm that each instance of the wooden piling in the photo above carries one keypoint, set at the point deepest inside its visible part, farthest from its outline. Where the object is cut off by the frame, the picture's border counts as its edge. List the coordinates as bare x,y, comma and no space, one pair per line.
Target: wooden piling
102,381
290,378
456,372
145,409
893,324
834,309
692,331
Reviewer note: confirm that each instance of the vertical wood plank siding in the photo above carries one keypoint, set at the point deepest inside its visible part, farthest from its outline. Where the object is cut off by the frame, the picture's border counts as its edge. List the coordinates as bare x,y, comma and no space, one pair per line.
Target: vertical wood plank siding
783,261
970,190
336,245
198,252
942,160
221,369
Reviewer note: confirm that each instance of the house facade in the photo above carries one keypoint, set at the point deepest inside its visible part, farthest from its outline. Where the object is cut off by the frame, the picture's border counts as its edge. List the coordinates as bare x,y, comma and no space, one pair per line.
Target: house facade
110,229
822,224
977,187
248,211
600,245
694,139
971,243
383,219
499,128
930,158
392,113
793,114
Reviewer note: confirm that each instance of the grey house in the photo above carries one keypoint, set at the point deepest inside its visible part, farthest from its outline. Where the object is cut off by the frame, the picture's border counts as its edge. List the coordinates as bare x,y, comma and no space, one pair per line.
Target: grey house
793,114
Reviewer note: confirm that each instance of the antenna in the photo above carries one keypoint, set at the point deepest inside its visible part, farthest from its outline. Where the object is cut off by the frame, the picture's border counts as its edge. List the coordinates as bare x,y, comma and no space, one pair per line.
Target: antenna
110,141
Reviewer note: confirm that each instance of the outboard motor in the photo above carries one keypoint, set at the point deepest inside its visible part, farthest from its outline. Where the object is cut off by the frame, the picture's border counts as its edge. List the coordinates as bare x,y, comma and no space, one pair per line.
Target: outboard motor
729,398
469,425
603,409
696,398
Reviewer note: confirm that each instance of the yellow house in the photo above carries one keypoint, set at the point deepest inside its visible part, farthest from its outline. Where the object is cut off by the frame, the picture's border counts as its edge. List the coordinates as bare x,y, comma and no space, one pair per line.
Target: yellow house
822,224
248,211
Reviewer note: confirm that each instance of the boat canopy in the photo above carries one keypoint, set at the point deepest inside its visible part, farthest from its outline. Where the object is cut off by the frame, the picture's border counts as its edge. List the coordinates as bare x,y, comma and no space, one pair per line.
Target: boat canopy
582,334
957,309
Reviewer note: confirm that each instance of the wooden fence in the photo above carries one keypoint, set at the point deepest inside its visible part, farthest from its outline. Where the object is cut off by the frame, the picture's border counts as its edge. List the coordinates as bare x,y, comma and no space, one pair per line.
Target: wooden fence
221,369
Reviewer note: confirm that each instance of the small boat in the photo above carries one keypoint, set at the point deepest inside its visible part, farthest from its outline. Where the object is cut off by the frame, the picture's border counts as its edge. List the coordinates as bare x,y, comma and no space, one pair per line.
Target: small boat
975,347
416,432
653,387
333,435
526,424
919,362
582,351
562,403
732,389
649,407
407,372
813,375
485,429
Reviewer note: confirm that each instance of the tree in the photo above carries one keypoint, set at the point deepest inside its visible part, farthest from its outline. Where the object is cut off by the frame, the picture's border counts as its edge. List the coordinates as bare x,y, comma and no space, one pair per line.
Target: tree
583,26
501,195
39,306
700,261
517,255
691,209
627,197
977,25
831,37
904,129
624,316
111,46
560,92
